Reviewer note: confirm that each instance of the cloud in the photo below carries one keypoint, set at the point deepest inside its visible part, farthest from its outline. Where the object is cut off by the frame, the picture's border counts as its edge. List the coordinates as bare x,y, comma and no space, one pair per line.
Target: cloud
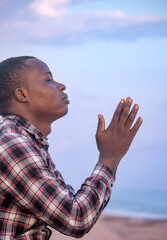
52,21
49,8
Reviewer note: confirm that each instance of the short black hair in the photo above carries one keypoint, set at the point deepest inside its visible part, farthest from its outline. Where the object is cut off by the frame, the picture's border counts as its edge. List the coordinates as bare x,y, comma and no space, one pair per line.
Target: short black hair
13,74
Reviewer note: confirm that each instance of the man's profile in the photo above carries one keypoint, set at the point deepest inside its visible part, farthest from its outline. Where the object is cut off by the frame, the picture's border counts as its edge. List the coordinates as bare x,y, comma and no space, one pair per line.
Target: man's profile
33,194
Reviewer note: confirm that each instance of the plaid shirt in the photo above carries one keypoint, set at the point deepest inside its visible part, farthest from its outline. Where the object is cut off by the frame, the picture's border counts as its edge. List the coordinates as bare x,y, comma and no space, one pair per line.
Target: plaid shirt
33,193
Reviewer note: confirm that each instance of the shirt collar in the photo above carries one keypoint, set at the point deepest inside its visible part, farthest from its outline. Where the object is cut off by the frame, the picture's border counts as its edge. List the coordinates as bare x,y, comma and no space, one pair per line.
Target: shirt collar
28,127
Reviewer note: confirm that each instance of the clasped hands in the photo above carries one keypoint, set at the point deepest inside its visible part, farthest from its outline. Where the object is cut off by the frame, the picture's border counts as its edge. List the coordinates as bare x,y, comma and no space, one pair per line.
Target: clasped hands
114,141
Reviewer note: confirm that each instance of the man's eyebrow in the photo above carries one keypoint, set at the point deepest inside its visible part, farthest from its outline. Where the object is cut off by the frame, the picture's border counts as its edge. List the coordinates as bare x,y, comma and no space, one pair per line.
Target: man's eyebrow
48,73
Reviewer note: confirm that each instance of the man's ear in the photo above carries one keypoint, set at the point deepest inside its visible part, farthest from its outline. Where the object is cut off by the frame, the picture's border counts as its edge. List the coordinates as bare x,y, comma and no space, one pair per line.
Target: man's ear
20,95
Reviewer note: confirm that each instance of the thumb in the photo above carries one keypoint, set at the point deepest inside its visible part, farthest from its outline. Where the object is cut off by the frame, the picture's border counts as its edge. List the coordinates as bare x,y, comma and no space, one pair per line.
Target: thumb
101,124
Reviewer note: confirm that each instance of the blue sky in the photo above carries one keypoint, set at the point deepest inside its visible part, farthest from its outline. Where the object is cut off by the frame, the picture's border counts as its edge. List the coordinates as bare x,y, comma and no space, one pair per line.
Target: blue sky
103,51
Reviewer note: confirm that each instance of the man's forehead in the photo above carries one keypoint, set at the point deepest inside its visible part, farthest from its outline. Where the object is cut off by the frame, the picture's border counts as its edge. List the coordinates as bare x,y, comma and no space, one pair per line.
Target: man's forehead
38,65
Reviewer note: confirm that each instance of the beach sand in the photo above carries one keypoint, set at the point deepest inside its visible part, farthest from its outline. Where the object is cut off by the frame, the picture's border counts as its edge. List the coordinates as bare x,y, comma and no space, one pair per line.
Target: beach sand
122,228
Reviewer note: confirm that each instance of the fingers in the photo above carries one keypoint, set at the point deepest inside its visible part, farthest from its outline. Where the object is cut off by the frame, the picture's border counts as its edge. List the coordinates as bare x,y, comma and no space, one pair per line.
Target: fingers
101,124
131,117
117,113
136,127
125,112
122,117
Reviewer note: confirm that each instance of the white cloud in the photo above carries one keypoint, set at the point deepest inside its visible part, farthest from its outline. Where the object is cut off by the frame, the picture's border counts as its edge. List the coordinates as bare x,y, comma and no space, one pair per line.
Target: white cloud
52,21
49,8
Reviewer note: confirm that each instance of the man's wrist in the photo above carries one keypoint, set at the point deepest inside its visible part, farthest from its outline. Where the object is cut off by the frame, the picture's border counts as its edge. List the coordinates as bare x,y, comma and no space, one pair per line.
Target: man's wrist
110,162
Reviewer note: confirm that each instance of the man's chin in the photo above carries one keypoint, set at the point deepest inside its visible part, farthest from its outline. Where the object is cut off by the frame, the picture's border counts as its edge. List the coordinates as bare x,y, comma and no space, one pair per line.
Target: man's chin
61,115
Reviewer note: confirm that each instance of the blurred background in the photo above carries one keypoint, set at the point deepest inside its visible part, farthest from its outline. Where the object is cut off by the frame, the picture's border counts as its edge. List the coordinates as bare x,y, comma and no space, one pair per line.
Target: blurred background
103,51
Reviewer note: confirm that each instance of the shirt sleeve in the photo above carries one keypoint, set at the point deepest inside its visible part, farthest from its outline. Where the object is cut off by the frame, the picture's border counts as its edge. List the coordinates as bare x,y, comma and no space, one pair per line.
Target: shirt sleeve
44,193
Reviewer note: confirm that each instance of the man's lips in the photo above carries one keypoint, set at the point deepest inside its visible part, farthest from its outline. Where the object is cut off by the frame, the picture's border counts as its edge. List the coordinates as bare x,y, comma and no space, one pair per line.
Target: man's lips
65,99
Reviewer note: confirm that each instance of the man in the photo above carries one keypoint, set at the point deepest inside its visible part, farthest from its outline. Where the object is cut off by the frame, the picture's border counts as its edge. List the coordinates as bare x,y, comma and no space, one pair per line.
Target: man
33,193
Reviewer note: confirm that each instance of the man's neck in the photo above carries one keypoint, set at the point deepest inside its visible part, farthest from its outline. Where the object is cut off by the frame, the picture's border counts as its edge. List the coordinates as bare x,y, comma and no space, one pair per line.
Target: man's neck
42,125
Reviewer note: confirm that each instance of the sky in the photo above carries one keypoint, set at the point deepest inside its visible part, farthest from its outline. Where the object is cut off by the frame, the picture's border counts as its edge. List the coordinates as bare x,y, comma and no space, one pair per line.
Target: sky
102,51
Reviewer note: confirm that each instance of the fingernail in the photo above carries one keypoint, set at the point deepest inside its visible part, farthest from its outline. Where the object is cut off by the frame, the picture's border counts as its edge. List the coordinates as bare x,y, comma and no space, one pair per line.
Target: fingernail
130,100
122,101
136,107
141,120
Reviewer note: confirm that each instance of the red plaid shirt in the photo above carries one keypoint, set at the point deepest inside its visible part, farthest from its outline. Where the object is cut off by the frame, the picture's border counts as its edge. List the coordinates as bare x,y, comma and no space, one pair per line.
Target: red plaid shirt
33,193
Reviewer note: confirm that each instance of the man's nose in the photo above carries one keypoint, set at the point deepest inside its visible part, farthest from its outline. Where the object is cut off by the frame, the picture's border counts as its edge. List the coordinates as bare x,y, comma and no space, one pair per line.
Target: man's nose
61,87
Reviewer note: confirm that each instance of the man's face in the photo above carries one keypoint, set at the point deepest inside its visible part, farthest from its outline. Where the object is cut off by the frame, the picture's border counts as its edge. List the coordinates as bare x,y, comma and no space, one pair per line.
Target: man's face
47,101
